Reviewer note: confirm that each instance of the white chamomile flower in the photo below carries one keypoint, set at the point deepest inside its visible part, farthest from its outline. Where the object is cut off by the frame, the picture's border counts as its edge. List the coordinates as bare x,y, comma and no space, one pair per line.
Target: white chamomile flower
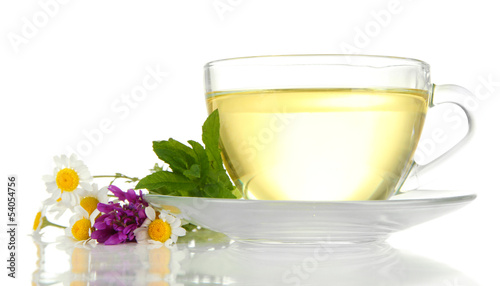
69,174
39,219
79,230
57,208
39,222
162,229
90,197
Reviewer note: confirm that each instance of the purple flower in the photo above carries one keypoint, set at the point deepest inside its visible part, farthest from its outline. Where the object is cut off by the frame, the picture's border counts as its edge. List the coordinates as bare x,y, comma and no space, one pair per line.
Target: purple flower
118,221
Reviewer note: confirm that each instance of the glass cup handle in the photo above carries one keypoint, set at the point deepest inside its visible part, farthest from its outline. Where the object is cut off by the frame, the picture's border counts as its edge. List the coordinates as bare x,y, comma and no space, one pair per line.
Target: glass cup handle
442,94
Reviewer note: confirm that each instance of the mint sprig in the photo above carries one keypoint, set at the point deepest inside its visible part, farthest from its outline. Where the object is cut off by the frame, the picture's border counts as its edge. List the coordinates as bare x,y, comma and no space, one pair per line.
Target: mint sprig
196,171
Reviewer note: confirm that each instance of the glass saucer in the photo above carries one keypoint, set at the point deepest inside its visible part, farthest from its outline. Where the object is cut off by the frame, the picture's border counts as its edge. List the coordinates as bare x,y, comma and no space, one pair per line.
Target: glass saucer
312,222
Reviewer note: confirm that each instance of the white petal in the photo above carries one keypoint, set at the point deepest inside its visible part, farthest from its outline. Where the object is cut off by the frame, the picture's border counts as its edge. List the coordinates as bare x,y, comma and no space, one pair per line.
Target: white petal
164,215
81,211
65,161
74,218
93,216
50,201
52,187
87,188
81,192
137,231
141,234
59,162
176,223
86,178
179,231
150,213
85,185
70,199
66,199
91,242
170,242
59,209
146,223
48,178
73,160
169,218
83,172
73,157
67,231
102,195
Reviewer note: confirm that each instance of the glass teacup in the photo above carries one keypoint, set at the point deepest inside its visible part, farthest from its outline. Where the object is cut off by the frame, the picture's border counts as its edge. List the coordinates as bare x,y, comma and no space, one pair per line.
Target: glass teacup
319,127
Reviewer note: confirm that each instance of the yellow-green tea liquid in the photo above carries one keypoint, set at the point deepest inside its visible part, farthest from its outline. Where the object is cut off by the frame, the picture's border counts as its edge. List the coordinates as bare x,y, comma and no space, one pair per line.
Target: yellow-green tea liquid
319,144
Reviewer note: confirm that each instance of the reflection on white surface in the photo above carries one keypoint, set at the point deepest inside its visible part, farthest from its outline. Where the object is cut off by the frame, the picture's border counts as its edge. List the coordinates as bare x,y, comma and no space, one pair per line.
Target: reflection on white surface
235,263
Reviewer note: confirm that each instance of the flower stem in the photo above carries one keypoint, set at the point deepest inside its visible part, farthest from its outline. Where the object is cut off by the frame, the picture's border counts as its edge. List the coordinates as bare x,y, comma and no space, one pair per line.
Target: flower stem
46,222
118,176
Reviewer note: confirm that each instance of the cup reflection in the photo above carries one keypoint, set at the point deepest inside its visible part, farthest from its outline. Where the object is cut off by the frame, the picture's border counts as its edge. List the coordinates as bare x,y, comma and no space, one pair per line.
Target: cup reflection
237,263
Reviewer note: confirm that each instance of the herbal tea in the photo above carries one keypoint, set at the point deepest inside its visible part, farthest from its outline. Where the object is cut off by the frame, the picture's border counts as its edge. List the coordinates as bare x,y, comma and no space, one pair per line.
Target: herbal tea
319,144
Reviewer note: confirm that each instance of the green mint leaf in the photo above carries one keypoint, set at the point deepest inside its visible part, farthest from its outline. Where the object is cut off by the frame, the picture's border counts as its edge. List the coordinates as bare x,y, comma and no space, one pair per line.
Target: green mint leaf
167,192
211,190
202,159
218,183
210,136
193,173
178,156
219,180
225,180
218,190
225,192
168,181
196,171
236,193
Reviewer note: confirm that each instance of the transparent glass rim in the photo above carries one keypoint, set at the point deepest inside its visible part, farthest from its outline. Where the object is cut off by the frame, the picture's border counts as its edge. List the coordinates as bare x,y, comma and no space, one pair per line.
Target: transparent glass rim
319,59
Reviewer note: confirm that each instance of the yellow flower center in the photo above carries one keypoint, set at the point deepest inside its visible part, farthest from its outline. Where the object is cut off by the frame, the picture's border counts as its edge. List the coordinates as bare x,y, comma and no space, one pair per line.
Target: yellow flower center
78,283
159,230
37,220
89,204
80,229
67,180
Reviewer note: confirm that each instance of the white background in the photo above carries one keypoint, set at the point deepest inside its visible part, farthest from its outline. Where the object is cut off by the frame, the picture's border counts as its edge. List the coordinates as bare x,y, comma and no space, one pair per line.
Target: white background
74,68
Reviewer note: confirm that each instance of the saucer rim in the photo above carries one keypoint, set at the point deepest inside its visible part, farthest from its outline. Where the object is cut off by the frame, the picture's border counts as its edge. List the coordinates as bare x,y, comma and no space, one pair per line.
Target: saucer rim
459,197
